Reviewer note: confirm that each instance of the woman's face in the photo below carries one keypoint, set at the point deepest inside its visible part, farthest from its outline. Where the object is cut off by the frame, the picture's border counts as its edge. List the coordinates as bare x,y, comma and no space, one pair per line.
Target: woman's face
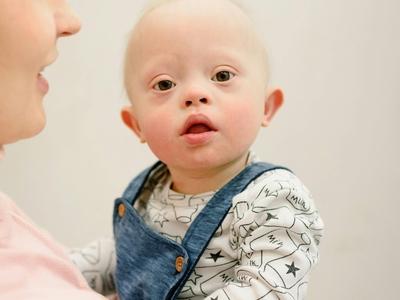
29,30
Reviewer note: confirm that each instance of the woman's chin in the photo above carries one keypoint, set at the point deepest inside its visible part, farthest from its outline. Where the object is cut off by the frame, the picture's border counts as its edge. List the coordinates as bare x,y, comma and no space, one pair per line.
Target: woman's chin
30,130
36,128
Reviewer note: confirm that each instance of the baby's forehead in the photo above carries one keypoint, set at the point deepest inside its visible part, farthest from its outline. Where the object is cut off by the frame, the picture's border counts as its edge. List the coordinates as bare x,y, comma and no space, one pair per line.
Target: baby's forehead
184,20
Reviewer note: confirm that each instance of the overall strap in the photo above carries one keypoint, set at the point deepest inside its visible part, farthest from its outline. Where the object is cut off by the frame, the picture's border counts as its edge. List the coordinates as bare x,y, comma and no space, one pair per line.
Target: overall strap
134,188
212,215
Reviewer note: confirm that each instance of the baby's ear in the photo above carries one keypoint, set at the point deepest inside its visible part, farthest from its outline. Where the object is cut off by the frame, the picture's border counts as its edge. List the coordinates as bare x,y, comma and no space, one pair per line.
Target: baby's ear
129,119
273,101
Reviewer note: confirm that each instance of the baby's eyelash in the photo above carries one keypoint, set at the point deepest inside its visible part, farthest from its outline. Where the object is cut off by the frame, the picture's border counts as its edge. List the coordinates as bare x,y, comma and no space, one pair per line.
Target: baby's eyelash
164,85
223,76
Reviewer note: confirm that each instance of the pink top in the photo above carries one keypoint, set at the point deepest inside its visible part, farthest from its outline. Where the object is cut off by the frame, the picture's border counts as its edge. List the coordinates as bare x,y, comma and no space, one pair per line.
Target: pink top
32,265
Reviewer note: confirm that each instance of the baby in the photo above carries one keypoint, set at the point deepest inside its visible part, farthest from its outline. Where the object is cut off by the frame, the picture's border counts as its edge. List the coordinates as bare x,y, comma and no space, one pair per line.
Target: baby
209,220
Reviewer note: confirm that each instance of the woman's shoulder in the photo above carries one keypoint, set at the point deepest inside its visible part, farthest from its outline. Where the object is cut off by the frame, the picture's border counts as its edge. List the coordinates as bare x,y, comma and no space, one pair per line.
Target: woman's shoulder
5,203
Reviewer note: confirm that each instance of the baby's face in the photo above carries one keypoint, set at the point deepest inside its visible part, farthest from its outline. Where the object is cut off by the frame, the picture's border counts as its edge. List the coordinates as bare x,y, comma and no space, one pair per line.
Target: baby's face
197,82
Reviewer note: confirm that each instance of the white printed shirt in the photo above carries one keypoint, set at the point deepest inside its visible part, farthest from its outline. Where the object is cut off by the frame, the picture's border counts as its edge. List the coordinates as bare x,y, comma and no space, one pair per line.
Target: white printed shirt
264,249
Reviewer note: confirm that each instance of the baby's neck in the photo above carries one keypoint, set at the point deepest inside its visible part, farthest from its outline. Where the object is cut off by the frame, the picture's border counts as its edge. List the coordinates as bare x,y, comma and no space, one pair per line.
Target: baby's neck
200,181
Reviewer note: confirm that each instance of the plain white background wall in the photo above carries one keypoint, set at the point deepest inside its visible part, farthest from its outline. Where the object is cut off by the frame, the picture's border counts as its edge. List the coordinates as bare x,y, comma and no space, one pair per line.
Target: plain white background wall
338,63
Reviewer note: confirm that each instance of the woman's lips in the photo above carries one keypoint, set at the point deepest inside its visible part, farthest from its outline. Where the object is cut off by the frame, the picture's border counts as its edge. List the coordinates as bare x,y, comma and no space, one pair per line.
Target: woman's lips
42,84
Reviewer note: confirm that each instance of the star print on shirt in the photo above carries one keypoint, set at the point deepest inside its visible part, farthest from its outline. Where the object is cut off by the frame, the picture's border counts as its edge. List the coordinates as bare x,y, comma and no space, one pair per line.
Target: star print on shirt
292,269
215,256
160,219
195,277
271,216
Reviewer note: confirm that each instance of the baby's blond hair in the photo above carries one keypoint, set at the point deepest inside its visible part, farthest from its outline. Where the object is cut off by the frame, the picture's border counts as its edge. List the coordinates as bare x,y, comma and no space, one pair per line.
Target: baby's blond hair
153,4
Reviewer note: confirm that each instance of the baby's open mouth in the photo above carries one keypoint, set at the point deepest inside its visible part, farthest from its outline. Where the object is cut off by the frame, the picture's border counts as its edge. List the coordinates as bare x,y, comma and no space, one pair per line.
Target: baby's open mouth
198,128
197,124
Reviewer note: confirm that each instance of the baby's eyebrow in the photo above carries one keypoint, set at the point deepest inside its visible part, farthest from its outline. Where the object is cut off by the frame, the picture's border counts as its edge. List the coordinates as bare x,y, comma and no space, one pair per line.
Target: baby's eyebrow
227,57
161,61
156,65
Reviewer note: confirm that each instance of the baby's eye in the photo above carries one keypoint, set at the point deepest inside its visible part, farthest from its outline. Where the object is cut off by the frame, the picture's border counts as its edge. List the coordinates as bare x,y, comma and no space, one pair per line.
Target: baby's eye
223,76
164,85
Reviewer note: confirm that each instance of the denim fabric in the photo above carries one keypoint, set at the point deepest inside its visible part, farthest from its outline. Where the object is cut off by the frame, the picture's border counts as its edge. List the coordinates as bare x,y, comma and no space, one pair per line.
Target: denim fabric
146,260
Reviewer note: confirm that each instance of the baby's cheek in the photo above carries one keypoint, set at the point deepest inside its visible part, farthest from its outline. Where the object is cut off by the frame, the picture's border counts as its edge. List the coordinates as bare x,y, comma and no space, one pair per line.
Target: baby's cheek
245,118
159,134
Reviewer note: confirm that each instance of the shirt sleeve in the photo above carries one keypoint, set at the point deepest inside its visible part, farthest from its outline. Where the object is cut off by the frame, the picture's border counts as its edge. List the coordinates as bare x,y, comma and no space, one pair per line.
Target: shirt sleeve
276,232
97,264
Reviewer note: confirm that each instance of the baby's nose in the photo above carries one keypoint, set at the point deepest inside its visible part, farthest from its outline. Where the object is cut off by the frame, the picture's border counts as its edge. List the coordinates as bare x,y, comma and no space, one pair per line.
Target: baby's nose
198,101
196,93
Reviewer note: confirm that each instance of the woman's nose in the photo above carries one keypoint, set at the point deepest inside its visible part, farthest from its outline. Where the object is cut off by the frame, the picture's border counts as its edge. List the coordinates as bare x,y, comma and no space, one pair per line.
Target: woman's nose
68,23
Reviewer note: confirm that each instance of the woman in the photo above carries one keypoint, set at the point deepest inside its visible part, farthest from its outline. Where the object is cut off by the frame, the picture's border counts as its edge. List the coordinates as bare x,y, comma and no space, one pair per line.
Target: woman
32,264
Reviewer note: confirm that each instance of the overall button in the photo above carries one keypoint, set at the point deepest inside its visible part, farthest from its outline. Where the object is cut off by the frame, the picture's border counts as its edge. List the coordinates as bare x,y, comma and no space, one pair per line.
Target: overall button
121,209
179,262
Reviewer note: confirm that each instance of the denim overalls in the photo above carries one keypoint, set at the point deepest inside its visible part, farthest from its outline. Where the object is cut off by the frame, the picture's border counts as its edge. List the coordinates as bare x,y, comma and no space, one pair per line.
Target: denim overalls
153,267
